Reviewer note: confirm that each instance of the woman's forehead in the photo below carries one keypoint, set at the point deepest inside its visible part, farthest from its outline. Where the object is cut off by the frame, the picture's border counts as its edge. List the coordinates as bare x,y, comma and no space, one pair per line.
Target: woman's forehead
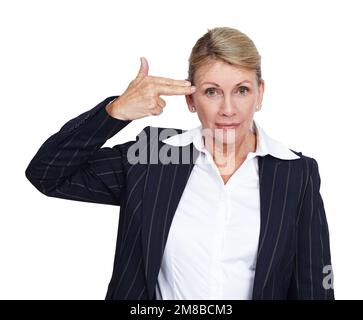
221,73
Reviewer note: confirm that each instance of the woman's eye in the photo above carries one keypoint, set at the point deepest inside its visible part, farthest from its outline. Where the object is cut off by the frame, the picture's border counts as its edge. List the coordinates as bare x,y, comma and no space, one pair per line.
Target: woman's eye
207,91
243,90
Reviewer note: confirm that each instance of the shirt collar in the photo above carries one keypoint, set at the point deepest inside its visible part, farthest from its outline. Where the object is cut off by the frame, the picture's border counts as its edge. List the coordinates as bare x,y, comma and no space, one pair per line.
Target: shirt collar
265,144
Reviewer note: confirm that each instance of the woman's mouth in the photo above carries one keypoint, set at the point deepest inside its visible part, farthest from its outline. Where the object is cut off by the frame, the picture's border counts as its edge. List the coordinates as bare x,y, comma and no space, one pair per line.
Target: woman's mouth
226,126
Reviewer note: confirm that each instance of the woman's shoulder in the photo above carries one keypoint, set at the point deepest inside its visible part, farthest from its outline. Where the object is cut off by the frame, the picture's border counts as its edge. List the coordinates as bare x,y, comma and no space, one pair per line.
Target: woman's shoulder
307,163
160,132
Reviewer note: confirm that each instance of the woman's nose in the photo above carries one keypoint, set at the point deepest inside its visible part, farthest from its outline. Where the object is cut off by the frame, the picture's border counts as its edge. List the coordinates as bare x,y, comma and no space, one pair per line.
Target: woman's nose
227,108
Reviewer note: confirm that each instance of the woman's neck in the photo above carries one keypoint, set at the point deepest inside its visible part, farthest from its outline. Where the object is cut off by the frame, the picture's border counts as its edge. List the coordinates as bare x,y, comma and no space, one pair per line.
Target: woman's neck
231,156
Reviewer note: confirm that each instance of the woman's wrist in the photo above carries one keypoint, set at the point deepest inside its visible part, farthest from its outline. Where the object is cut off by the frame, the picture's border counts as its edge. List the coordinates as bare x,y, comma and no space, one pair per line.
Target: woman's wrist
114,111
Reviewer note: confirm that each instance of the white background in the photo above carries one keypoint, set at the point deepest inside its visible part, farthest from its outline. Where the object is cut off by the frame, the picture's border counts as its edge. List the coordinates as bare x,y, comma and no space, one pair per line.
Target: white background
61,58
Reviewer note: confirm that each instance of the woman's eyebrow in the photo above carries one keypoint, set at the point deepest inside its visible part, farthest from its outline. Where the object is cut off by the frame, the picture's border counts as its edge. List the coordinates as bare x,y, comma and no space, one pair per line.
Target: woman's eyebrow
217,85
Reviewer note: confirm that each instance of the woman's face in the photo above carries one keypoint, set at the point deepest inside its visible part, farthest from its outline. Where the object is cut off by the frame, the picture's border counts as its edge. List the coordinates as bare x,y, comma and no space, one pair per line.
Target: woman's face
224,95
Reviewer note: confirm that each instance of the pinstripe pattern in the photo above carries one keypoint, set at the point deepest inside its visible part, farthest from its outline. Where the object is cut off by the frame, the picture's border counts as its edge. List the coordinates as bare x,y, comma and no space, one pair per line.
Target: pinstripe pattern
280,226
294,238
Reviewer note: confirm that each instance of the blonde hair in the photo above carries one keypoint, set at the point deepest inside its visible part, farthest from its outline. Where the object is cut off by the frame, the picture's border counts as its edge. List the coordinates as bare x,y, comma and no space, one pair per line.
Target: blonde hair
226,44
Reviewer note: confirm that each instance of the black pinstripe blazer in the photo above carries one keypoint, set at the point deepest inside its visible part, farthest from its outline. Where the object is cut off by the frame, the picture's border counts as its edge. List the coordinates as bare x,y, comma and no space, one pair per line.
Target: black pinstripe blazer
293,251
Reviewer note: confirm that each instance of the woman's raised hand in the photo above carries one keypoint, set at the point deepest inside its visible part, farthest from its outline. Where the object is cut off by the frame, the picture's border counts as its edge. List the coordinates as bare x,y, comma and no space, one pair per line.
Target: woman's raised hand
142,96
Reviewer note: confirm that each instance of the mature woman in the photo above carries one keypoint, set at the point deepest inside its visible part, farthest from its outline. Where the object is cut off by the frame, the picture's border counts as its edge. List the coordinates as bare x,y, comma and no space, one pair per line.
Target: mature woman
220,211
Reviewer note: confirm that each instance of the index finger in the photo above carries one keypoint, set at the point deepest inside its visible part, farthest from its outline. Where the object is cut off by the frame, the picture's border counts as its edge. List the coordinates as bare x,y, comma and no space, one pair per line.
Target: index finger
174,90
169,81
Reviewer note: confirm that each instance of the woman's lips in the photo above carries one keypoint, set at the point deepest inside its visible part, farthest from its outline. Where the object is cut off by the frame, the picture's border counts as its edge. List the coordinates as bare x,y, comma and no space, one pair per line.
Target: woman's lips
227,125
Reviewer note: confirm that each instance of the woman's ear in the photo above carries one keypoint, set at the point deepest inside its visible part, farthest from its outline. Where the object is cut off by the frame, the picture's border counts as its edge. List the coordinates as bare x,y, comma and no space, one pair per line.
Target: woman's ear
261,91
189,100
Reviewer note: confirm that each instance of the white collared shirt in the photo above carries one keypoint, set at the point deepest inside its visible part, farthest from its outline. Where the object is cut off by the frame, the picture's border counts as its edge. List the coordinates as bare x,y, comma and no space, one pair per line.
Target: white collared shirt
212,244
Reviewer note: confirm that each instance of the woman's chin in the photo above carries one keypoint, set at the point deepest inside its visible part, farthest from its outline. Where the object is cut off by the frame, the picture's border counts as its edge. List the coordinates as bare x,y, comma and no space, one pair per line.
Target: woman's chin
220,136
223,136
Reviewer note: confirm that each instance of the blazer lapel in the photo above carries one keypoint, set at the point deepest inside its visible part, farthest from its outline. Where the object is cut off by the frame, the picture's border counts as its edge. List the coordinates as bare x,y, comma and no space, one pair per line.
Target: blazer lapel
164,186
273,178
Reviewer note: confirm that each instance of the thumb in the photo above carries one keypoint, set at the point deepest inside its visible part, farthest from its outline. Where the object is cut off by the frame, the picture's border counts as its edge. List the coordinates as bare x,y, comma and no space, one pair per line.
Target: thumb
143,71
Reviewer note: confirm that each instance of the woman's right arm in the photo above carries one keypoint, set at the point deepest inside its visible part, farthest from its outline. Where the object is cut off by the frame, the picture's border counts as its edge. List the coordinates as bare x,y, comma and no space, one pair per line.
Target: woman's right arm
71,163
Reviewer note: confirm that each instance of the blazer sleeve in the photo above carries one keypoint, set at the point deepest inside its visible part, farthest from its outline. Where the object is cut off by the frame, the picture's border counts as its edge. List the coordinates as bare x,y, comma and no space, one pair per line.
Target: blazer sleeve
71,164
312,273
